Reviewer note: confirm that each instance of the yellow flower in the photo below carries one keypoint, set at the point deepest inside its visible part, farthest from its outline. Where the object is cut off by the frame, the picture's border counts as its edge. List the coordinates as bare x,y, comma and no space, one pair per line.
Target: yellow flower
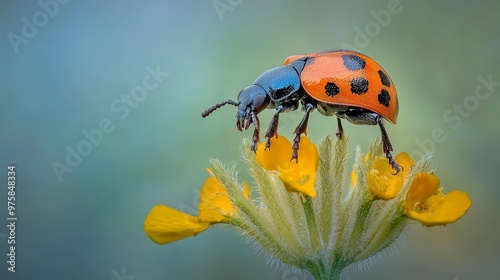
165,224
427,204
339,227
405,161
382,182
215,205
296,176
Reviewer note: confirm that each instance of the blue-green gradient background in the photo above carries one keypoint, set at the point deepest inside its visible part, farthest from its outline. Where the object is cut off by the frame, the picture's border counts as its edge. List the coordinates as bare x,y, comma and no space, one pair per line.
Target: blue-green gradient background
67,76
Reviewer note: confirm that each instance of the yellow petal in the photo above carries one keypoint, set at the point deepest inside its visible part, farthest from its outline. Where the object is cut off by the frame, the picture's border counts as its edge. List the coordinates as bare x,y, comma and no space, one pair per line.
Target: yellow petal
214,206
247,191
164,225
405,161
354,176
354,179
426,204
301,182
423,186
278,154
296,176
381,180
210,171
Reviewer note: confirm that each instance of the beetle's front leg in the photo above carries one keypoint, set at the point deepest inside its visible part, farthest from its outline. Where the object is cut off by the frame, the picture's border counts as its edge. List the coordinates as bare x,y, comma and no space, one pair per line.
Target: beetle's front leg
256,131
301,128
272,130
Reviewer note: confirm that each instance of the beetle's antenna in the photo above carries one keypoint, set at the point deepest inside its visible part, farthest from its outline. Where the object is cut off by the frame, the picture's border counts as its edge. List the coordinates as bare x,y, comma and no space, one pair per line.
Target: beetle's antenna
209,111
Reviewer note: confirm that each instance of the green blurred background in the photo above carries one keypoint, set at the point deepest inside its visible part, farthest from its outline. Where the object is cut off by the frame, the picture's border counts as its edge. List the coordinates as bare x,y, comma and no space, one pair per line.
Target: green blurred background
69,72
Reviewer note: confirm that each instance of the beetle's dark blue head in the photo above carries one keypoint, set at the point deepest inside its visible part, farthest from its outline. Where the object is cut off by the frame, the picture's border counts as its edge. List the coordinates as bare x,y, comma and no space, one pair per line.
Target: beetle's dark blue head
251,101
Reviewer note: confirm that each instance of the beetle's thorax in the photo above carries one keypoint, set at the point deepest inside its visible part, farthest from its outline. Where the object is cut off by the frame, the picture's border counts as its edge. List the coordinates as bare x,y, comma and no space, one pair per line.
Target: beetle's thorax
276,86
279,82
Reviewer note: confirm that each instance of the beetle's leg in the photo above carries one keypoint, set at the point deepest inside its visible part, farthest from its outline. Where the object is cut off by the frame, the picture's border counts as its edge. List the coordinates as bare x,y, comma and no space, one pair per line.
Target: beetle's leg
272,130
387,146
340,129
301,128
256,131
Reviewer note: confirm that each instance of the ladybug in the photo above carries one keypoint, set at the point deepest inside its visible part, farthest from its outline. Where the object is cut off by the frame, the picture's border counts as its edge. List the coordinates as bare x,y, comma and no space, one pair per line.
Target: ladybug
344,83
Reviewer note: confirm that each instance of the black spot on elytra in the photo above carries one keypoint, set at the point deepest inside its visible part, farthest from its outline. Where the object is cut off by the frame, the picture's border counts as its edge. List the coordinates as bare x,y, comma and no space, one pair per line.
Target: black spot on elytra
384,98
331,89
383,77
353,62
359,85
